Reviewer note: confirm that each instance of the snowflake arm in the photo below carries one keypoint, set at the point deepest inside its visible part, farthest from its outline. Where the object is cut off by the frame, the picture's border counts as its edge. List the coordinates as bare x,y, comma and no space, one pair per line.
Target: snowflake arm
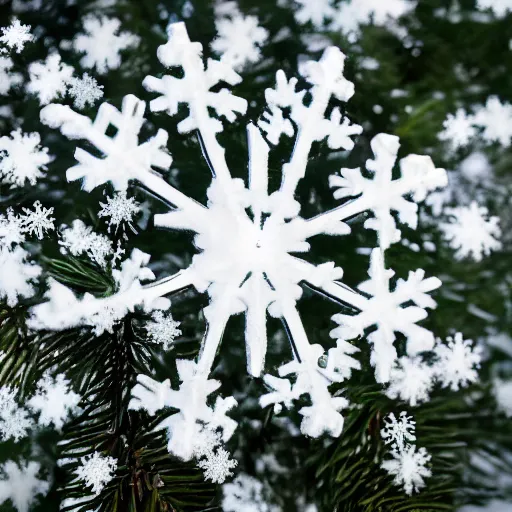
385,310
327,79
382,194
124,159
194,90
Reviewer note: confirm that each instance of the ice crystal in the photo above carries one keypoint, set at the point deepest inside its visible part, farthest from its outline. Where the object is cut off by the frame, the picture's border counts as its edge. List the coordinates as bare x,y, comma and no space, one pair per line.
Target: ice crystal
97,471
85,91
247,260
409,468
21,485
398,432
38,220
54,401
411,380
217,466
8,78
245,494
120,209
471,232
16,35
16,275
22,158
14,421
49,80
102,43
163,329
457,362
81,239
239,39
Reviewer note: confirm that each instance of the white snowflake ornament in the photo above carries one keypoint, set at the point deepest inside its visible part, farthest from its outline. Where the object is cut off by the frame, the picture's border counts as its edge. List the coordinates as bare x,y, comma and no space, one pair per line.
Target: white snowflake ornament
217,466
163,329
248,239
119,209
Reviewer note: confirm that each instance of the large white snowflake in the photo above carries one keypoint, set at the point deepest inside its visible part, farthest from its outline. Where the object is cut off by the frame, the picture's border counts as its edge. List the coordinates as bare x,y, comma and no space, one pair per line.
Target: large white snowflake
249,239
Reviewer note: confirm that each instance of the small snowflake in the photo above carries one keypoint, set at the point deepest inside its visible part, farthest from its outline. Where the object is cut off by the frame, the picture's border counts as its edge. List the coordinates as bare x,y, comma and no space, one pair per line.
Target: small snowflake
471,232
458,129
97,471
80,239
163,329
408,468
54,400
411,381
217,466
49,79
8,78
239,40
120,209
38,220
102,43
399,432
85,91
16,274
21,485
14,421
22,158
457,362
16,35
